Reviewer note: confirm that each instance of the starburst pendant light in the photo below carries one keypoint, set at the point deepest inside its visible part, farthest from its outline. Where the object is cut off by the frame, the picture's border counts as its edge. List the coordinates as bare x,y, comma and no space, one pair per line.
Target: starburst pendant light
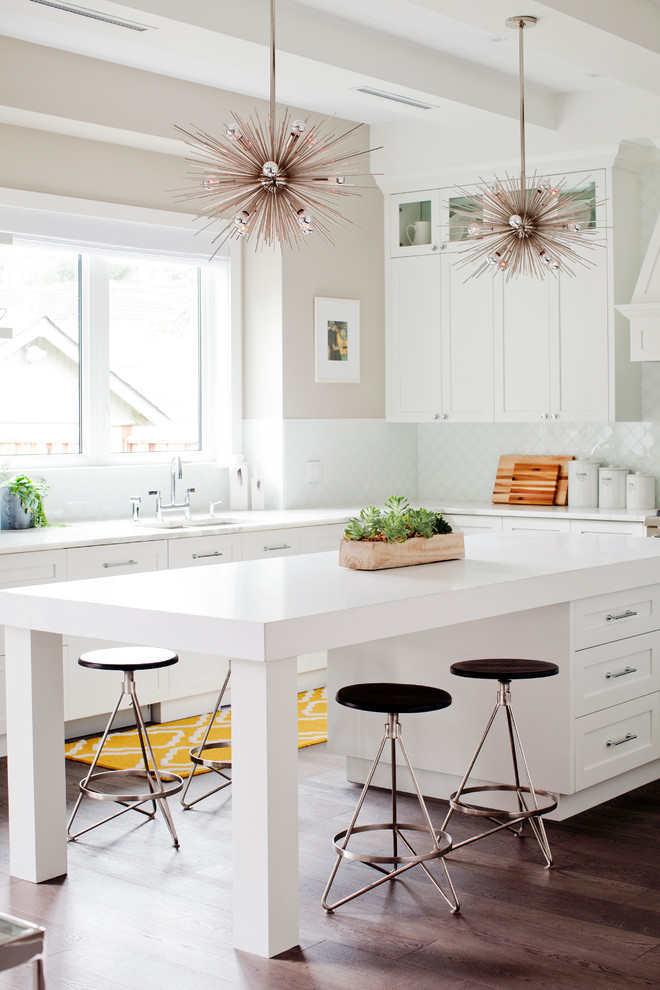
271,182
525,227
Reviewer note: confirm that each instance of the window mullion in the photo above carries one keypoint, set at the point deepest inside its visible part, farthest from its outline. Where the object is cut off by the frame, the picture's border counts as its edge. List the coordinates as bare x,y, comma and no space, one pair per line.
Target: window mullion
95,359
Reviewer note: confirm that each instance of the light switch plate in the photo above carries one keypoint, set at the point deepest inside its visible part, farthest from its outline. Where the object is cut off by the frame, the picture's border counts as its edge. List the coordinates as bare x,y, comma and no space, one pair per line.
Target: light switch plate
313,472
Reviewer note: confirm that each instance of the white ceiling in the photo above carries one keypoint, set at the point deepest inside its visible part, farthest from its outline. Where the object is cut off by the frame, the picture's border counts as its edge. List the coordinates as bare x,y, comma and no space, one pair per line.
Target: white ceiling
456,55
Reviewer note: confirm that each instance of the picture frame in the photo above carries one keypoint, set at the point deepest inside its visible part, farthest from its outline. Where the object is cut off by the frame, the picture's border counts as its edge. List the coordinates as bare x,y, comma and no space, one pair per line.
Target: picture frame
337,340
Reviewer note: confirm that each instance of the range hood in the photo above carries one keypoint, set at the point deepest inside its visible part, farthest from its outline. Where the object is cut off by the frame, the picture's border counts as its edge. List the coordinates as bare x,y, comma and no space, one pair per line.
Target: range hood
643,310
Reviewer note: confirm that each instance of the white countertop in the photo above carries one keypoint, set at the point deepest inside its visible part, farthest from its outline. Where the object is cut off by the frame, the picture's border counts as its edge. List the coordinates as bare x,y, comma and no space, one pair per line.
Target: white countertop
103,532
268,609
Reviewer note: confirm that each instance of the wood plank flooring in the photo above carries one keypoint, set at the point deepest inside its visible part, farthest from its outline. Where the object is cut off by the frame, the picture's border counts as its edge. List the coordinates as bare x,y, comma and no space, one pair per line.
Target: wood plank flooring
136,914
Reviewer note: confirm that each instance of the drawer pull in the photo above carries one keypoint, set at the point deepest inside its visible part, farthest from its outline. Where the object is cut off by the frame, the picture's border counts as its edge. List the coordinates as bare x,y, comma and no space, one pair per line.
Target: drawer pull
199,556
622,673
285,546
120,563
624,615
619,742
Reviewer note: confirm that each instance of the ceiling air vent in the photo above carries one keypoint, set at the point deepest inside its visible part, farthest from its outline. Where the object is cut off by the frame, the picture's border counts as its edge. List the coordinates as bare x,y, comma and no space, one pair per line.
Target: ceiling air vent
395,97
95,15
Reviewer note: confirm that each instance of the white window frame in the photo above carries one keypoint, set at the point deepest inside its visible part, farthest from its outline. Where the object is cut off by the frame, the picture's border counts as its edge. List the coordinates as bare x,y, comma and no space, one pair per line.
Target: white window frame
90,228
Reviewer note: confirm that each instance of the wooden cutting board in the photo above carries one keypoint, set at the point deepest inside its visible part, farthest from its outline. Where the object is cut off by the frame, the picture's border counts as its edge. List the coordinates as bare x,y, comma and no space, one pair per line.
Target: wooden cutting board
504,476
534,484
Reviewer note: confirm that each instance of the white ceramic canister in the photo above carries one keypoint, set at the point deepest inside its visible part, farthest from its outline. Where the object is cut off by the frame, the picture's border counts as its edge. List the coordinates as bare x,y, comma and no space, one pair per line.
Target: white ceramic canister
640,491
612,487
583,484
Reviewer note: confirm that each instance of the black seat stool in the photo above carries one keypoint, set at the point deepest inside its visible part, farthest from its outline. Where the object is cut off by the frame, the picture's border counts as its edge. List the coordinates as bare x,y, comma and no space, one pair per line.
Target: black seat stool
393,699
200,755
119,785
529,804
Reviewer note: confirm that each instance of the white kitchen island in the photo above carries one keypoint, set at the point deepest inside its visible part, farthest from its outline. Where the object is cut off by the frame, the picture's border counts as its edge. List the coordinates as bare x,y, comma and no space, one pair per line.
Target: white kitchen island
263,614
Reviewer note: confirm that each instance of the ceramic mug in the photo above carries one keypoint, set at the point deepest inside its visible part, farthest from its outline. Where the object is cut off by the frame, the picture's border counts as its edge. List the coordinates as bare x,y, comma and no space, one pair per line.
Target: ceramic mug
421,232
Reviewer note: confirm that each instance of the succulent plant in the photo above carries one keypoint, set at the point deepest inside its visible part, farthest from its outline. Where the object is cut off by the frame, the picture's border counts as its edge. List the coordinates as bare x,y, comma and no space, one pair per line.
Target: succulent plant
397,523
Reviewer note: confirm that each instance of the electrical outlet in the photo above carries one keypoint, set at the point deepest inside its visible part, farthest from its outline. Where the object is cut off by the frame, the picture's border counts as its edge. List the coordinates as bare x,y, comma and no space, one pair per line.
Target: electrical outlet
313,472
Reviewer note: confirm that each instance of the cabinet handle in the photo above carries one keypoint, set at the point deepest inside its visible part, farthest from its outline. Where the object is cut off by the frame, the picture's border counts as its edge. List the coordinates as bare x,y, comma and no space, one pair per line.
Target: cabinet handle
624,615
200,556
543,416
120,563
622,673
629,736
285,546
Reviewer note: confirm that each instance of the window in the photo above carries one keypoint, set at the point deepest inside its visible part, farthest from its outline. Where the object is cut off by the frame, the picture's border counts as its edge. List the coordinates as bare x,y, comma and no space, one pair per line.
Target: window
111,355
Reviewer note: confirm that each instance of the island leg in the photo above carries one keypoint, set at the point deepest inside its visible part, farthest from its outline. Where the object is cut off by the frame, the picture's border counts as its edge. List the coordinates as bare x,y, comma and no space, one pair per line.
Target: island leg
35,754
265,805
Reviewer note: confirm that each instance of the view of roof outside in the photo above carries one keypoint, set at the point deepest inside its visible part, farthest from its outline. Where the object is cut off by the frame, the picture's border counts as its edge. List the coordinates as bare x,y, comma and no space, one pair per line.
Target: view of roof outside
153,345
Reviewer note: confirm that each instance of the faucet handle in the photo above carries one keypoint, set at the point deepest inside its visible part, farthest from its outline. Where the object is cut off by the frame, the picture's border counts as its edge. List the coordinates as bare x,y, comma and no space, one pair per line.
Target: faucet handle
189,491
212,506
154,492
136,501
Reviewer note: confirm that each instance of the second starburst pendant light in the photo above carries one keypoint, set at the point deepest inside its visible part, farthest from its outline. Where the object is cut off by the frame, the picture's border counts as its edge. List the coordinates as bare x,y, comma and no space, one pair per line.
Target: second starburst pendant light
521,226
269,182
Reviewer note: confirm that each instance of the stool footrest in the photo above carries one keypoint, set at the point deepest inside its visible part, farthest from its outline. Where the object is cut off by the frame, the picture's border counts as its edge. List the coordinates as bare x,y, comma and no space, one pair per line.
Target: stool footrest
197,757
545,802
171,783
443,844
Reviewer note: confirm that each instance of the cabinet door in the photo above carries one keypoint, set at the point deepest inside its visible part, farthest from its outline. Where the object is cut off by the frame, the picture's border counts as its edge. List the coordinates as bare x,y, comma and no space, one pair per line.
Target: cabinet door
467,344
522,349
94,692
537,524
414,350
580,355
474,525
414,223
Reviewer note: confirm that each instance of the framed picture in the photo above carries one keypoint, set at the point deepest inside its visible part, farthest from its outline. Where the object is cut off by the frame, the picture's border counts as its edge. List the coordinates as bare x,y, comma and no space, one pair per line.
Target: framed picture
337,340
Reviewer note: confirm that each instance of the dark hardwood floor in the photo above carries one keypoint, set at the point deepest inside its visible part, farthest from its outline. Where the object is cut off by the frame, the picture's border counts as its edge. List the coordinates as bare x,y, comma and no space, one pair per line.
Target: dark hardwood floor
136,914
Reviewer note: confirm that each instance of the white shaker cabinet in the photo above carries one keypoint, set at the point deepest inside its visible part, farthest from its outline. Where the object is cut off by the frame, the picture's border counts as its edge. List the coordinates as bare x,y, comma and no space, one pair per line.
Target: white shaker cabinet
522,349
88,691
415,223
414,353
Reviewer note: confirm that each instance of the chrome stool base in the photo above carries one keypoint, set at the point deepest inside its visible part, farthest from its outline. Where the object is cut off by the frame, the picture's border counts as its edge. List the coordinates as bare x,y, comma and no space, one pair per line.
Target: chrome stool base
160,784
198,757
441,842
531,803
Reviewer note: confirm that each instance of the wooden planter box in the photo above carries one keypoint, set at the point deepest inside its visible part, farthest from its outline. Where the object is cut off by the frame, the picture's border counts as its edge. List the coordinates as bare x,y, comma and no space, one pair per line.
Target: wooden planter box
363,555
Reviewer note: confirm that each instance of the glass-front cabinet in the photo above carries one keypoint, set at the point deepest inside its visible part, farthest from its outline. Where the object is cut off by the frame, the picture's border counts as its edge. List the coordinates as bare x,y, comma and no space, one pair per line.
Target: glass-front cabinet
415,224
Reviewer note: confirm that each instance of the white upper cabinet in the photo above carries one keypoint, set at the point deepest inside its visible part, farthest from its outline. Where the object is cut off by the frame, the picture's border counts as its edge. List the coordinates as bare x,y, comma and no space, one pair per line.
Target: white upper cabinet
414,355
483,349
415,224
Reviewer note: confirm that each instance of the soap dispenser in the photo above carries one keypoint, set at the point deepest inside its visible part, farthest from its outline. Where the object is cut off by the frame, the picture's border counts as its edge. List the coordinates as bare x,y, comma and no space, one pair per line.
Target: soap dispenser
257,493
238,484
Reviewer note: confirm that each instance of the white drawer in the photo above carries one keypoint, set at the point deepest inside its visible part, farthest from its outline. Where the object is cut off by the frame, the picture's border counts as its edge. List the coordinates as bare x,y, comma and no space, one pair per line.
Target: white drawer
196,551
473,525
606,618
617,672
272,543
617,739
608,527
320,538
116,558
38,567
549,524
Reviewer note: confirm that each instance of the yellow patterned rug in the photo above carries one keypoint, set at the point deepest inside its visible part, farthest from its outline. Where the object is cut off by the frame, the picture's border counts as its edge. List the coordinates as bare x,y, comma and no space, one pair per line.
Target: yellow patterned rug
171,741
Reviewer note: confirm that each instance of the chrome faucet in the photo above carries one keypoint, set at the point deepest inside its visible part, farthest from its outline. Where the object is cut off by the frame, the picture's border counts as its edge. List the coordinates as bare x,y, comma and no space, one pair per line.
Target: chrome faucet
176,471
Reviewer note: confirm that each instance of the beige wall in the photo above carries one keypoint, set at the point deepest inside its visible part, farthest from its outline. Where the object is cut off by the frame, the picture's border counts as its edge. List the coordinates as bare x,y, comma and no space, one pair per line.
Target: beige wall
96,130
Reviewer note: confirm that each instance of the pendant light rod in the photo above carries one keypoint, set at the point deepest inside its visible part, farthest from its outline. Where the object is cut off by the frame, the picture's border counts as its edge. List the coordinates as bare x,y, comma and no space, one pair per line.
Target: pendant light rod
272,77
521,22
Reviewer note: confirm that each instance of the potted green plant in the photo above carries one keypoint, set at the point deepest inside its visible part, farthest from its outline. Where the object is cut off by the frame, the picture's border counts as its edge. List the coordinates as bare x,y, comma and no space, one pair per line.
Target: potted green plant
396,536
22,502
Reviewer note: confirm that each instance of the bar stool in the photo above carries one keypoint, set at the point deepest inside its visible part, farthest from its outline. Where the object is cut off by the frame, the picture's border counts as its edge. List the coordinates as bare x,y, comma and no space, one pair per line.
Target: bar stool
199,754
392,700
123,786
528,804
22,942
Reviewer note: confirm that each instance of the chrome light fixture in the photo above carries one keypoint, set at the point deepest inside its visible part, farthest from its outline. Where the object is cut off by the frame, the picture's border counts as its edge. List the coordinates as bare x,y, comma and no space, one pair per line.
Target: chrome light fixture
269,182
521,226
